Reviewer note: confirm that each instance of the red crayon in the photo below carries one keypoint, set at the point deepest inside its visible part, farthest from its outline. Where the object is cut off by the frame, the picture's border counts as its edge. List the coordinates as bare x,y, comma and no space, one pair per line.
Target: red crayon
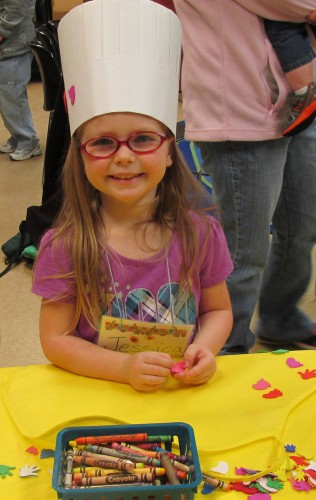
110,439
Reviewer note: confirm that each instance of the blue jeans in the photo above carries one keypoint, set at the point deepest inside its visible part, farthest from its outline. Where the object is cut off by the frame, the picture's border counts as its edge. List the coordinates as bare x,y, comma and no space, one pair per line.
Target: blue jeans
255,183
290,42
15,74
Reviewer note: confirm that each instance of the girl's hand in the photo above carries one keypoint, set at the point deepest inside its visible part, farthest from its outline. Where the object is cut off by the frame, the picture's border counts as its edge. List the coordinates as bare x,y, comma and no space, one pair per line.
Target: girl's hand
200,365
147,371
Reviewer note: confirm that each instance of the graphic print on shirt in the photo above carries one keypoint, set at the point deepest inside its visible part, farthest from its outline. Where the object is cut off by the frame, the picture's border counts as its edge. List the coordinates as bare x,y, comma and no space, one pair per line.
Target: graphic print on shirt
143,322
168,307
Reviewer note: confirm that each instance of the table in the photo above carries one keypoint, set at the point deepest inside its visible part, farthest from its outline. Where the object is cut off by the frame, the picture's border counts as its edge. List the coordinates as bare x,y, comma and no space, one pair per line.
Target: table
233,422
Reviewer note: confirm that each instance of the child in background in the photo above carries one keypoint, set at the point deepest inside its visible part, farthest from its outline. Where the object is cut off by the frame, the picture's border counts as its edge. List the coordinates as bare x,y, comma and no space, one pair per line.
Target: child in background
292,45
128,243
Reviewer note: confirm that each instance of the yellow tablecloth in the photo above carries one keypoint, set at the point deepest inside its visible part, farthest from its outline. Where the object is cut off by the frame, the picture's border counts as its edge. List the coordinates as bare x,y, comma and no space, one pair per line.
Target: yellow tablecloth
232,421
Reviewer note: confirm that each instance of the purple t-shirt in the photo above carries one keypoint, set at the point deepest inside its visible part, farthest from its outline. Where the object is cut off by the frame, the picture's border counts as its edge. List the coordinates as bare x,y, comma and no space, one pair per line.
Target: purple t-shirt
143,289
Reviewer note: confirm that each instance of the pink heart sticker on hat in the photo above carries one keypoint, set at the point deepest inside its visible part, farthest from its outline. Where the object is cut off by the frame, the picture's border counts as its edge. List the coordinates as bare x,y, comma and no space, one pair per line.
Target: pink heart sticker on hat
72,94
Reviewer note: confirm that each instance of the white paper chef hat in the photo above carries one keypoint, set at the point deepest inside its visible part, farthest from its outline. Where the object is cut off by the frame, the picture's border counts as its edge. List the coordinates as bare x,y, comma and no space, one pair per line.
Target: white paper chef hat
121,55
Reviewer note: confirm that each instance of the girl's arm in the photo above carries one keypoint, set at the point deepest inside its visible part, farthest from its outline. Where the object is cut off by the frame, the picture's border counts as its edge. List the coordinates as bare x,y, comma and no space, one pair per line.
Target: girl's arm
146,371
216,317
216,321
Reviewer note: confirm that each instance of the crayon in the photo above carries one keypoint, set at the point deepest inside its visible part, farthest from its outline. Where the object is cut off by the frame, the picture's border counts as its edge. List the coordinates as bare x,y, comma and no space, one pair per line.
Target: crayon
68,469
107,472
145,459
92,471
148,446
116,479
217,483
142,436
97,456
129,455
167,464
125,465
184,459
147,453
123,485
152,439
180,466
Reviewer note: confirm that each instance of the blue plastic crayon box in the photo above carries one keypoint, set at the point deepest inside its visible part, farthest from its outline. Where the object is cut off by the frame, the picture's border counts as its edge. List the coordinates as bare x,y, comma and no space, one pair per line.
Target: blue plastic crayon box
182,443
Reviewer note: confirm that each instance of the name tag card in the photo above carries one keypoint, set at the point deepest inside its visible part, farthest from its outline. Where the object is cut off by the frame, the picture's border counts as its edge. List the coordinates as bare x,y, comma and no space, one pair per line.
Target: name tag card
130,336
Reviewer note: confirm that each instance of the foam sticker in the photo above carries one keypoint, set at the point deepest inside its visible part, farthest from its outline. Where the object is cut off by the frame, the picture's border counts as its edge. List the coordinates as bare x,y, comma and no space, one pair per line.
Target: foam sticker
32,449
293,363
308,374
276,393
261,385
221,467
29,470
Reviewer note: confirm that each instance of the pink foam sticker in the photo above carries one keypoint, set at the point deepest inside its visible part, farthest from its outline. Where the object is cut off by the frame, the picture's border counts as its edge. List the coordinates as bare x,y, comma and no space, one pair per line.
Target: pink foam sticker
300,485
178,367
261,385
276,393
259,496
293,363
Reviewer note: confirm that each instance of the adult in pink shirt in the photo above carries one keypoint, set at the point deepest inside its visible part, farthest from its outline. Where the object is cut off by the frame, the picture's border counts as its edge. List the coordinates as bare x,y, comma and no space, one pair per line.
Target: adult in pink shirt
235,100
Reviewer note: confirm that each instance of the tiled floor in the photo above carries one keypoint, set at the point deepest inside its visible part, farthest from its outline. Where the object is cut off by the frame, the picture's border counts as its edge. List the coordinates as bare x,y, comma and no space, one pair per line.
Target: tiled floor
20,187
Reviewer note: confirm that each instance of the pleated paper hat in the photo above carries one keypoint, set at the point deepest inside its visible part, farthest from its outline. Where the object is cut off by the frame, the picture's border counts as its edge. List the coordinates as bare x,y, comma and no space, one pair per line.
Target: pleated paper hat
121,56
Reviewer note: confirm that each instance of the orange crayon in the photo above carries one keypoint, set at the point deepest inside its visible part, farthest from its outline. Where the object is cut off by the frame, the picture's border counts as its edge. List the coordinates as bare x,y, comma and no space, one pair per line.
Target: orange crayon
142,436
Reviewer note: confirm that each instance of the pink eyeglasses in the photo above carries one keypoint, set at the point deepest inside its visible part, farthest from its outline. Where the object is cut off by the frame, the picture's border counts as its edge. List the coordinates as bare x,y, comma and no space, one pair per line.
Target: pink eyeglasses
140,143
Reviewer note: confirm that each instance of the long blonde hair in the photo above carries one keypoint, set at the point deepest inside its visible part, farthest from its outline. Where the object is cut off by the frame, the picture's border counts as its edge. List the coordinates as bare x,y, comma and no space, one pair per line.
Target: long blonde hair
80,227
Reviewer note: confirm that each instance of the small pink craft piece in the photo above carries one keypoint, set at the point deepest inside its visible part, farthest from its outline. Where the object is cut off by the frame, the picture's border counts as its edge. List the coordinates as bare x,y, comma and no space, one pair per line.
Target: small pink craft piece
259,496
276,393
178,367
261,385
300,485
72,94
293,363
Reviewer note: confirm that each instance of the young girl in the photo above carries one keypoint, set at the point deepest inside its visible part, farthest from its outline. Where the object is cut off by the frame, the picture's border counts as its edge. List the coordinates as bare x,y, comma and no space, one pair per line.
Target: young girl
127,243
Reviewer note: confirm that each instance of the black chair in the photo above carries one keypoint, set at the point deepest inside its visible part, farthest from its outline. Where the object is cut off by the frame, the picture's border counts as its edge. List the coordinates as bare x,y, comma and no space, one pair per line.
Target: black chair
43,11
46,37
50,74
52,24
